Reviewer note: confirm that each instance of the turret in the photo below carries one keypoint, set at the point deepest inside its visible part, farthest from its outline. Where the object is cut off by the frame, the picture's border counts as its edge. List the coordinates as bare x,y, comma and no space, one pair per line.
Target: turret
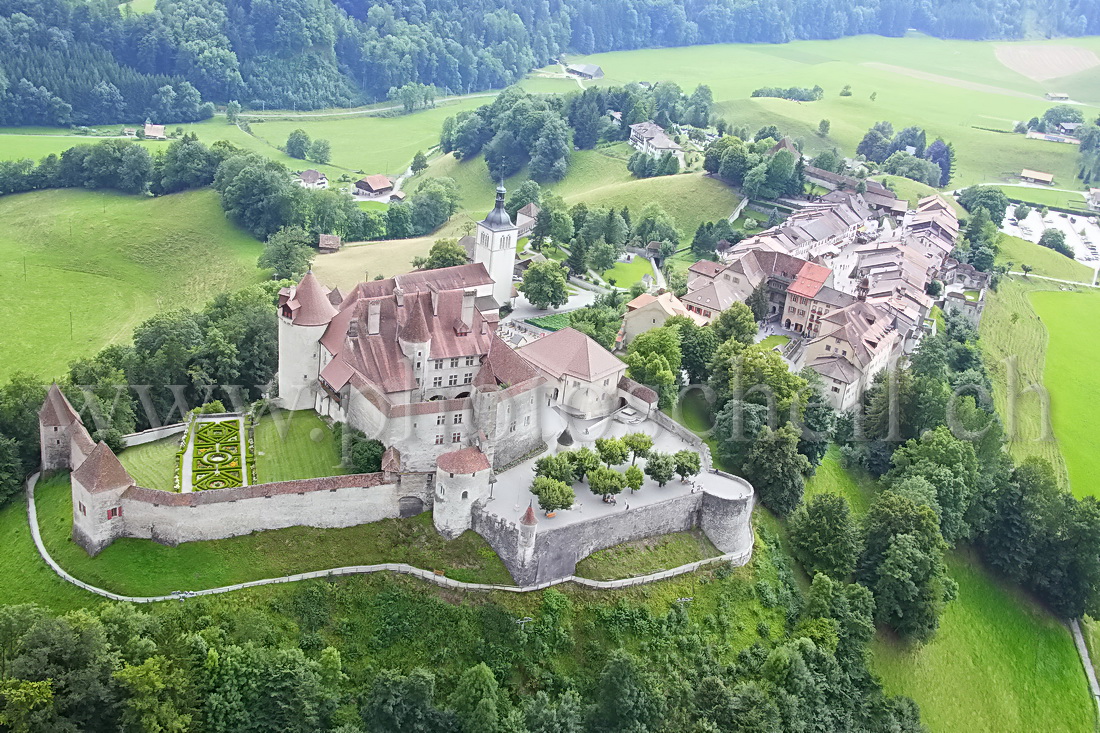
415,338
461,480
305,312
528,528
55,421
97,488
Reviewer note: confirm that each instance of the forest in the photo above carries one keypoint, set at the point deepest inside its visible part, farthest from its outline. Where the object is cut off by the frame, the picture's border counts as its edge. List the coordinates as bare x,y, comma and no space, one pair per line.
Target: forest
77,63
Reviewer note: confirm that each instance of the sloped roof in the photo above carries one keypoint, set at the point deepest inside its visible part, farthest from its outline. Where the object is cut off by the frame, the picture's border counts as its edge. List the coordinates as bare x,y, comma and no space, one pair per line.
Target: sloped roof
467,460
415,330
503,367
56,411
642,392
529,517
309,304
102,471
376,182
391,460
810,280
570,352
310,176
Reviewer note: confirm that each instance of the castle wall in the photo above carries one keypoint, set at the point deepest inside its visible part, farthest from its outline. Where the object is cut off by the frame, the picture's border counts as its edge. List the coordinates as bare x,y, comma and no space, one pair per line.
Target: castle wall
55,447
154,434
299,363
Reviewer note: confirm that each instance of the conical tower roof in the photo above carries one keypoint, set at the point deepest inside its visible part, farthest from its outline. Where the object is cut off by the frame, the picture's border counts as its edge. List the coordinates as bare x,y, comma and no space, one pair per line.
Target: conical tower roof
415,329
56,411
529,516
310,304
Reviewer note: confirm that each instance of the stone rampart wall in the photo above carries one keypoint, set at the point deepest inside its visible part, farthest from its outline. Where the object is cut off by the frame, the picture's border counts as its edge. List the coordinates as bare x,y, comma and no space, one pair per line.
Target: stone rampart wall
153,434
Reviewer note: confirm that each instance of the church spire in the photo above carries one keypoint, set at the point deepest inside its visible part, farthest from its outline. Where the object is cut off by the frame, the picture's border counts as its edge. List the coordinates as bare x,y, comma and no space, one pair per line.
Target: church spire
498,218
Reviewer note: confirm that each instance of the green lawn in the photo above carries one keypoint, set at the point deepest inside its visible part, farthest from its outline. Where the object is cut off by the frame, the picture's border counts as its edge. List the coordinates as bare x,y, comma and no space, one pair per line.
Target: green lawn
24,575
143,567
551,322
649,555
776,339
998,663
1043,260
832,477
1038,197
84,268
295,445
626,274
1071,378
153,465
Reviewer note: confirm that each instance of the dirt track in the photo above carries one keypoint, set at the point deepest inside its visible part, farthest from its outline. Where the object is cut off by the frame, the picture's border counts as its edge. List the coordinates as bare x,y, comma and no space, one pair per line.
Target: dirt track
1046,62
950,81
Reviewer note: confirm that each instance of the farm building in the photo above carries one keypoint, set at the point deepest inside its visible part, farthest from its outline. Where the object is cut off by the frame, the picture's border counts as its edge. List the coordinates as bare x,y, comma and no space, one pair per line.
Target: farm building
373,186
328,243
154,132
585,71
1057,96
1036,176
312,179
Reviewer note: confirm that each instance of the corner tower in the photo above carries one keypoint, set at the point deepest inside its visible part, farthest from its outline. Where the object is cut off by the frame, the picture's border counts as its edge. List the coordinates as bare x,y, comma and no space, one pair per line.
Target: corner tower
495,247
304,314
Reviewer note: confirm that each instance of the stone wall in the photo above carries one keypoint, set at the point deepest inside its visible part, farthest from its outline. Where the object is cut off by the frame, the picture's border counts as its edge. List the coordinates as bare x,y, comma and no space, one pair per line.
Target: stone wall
685,435
154,434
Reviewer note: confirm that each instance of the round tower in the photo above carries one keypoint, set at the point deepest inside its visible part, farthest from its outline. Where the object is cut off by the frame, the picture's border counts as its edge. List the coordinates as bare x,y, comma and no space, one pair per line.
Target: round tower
528,529
304,315
461,480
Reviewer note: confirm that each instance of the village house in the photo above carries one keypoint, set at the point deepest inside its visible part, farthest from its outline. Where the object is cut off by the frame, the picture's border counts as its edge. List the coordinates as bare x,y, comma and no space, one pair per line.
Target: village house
328,243
373,186
650,138
1057,96
154,132
526,218
652,311
809,300
816,230
312,179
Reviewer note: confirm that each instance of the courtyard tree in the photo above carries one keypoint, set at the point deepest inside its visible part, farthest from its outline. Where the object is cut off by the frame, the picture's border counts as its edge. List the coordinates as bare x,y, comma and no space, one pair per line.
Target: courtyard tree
584,460
556,466
553,494
634,477
544,285
688,463
444,253
288,253
613,451
777,470
823,536
606,481
736,322
297,144
639,445
660,467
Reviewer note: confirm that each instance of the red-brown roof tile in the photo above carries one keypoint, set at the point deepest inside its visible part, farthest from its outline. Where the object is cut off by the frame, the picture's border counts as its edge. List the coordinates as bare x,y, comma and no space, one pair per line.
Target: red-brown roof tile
467,460
56,411
102,471
309,304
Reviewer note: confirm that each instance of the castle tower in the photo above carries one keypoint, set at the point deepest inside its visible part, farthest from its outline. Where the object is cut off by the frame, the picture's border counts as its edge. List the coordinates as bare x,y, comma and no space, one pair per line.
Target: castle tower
304,315
528,528
495,247
55,422
97,487
461,480
415,340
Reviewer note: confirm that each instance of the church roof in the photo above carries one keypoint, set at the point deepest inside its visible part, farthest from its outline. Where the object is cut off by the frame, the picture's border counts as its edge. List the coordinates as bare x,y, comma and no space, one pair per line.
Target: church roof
467,460
102,471
309,304
570,352
498,219
56,410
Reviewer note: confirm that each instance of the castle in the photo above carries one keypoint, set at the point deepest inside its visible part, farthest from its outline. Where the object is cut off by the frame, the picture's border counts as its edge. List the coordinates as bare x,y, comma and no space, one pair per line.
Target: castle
415,361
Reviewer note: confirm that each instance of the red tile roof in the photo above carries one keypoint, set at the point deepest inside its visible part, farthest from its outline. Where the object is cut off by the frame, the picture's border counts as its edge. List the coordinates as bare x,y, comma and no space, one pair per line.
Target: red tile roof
375,183
56,411
391,460
256,491
415,329
309,304
529,517
642,392
467,460
503,367
570,352
102,471
810,280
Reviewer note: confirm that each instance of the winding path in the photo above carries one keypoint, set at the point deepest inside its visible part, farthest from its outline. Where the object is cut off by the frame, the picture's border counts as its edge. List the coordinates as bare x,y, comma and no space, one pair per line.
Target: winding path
400,568
1031,275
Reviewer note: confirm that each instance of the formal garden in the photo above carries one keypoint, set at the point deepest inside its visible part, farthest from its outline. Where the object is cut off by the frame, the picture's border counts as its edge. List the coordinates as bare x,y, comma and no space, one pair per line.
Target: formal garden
219,456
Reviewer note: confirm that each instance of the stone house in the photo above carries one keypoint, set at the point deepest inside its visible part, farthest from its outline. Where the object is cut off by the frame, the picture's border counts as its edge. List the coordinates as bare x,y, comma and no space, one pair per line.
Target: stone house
652,311
650,138
312,179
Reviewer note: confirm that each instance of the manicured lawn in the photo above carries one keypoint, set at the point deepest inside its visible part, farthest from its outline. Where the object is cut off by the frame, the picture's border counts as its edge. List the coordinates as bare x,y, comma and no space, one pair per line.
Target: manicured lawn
1043,260
650,555
832,477
153,465
626,274
295,445
998,663
142,567
696,412
1071,378
776,339
1046,197
105,262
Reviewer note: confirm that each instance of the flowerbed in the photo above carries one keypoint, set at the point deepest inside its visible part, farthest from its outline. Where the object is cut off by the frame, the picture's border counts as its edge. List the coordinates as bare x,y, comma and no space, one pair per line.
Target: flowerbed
217,461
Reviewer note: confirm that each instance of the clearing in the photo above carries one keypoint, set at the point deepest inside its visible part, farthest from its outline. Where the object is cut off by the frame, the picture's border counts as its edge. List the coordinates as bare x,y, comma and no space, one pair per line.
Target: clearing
649,555
84,268
1040,63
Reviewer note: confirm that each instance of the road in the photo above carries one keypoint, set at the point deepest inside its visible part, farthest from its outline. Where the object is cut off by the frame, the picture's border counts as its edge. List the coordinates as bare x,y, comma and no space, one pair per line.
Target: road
352,113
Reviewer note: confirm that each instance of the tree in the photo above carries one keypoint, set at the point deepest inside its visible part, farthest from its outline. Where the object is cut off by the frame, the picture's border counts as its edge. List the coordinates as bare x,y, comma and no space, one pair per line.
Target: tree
288,253
419,163
824,537
688,463
232,111
602,255
528,192
433,203
320,151
660,467
396,702
19,699
758,302
399,221
444,253
736,322
989,198
634,478
544,285
584,461
823,128
628,698
1055,239
297,144
613,451
639,445
154,698
577,261
1026,268
1021,212
776,469
556,466
606,481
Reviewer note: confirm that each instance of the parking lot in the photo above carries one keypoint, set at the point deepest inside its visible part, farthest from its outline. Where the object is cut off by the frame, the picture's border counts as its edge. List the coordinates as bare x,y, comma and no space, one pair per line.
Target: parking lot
1082,232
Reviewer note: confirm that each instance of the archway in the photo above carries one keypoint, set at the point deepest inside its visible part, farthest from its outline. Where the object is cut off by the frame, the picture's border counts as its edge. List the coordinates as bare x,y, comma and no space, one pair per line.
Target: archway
787,324
462,395
410,506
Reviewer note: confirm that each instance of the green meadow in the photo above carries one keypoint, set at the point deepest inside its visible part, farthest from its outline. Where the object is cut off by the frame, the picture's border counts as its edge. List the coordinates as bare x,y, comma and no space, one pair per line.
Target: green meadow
84,268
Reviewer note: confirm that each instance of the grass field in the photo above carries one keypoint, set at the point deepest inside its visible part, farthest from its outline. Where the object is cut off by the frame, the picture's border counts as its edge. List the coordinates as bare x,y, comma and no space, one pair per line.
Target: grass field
914,191
998,663
295,445
1038,197
142,567
1043,260
831,477
104,263
649,555
24,576
626,274
776,339
1071,378
153,465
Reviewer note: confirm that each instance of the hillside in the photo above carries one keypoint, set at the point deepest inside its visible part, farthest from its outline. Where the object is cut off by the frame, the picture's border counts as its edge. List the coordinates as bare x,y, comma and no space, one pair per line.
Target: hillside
105,262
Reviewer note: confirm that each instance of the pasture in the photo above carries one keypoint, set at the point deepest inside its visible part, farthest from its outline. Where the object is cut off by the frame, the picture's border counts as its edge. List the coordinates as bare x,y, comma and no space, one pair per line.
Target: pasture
1052,197
1070,377
295,445
84,268
1042,260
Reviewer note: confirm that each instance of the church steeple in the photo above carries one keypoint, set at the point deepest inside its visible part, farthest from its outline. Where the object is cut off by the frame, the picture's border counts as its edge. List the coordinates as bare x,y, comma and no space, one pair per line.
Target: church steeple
498,218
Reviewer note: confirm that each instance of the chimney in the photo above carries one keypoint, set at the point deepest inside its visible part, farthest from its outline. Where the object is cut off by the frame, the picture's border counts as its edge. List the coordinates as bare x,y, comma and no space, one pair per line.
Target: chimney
468,298
374,316
399,294
353,328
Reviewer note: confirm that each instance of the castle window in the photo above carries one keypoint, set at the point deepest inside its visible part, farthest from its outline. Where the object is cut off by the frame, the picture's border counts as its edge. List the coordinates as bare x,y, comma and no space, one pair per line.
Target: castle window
512,428
527,420
115,512
438,363
456,437
469,361
55,430
83,509
437,382
465,494
454,362
836,389
440,419
439,439
458,419
606,382
828,348
468,378
452,380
